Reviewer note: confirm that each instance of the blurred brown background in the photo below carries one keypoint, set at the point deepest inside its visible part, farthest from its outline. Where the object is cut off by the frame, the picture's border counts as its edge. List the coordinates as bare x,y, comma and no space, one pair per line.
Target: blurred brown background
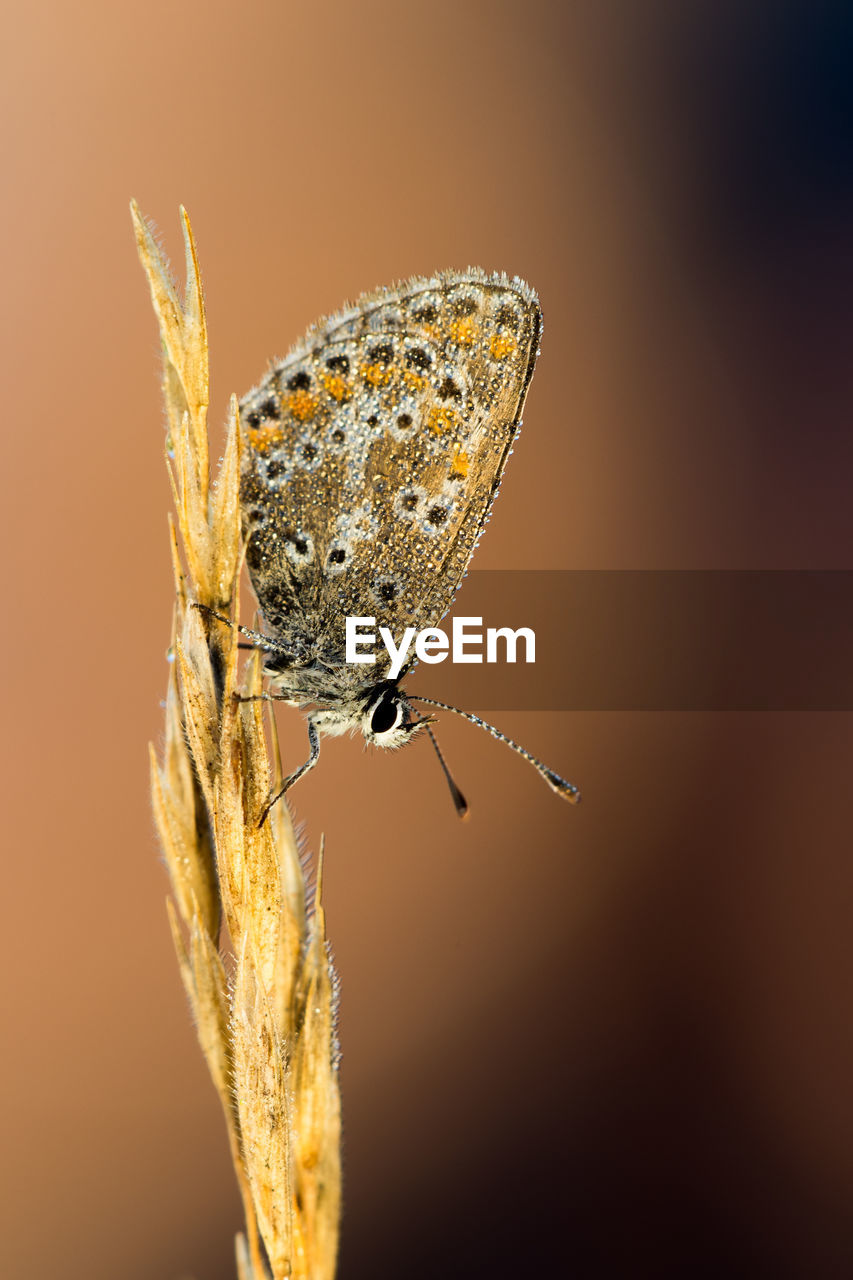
611,1041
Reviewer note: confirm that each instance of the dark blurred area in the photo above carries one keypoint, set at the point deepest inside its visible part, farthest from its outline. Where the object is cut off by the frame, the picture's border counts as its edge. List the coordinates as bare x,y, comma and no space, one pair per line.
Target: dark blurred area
648,640
767,105
615,1040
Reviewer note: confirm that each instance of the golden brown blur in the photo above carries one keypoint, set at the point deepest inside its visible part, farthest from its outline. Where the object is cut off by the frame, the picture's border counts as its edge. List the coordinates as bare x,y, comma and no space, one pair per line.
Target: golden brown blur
612,1040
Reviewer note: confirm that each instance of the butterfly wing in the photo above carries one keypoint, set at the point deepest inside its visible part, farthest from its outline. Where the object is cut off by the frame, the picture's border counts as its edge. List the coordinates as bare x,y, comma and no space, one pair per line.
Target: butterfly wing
373,453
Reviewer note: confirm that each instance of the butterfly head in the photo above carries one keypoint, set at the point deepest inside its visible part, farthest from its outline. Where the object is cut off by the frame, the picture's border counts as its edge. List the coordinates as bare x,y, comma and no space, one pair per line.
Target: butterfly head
387,719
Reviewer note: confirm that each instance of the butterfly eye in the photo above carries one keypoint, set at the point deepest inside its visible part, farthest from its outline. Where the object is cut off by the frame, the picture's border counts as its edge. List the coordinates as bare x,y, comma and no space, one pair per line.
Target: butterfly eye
386,716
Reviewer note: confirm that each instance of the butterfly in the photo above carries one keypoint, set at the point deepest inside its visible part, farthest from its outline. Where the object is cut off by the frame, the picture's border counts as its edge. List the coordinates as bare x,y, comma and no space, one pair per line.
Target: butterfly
371,456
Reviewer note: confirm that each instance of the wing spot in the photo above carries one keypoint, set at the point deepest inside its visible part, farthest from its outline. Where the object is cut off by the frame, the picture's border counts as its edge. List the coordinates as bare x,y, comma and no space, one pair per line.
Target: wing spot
417,358
449,390
302,405
300,381
376,375
381,353
501,345
298,546
337,387
270,408
408,502
463,331
507,316
262,439
441,420
425,314
460,465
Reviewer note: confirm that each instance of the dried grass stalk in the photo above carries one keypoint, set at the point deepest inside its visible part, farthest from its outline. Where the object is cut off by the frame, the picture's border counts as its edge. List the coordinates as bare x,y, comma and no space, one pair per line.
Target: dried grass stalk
263,1002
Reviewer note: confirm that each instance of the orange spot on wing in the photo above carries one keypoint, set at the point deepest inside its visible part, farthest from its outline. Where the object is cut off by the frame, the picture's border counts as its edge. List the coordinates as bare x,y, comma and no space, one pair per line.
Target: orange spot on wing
262,439
336,386
461,463
464,331
378,375
441,420
413,381
302,405
502,345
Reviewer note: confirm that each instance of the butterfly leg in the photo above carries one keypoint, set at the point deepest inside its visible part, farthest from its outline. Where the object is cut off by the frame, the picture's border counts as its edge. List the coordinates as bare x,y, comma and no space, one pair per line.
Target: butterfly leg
314,740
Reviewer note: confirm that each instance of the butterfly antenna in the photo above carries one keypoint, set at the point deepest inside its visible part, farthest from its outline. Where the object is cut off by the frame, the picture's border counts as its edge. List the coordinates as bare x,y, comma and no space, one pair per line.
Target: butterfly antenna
258,640
555,782
458,798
